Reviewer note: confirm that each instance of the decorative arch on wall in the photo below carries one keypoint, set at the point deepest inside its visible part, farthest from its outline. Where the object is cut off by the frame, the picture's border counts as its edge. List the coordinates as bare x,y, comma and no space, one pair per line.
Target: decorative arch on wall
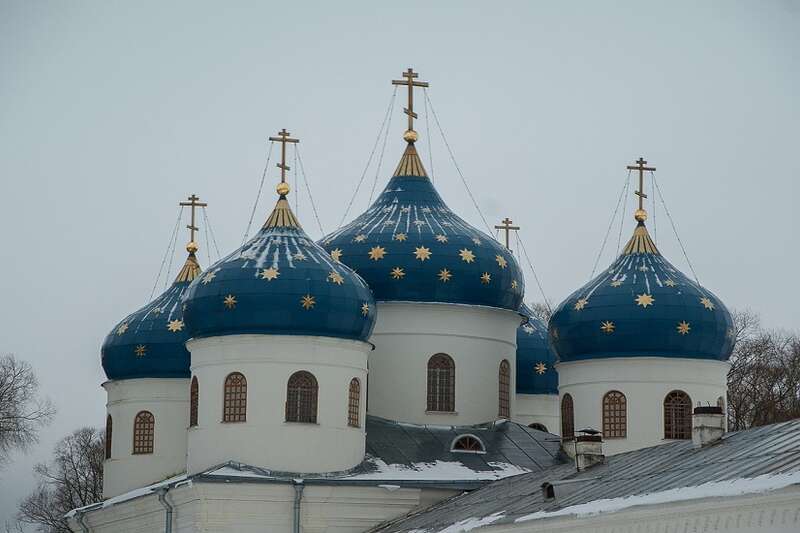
301,398
504,388
615,415
194,401
567,418
109,429
441,384
144,428
677,415
353,403
234,403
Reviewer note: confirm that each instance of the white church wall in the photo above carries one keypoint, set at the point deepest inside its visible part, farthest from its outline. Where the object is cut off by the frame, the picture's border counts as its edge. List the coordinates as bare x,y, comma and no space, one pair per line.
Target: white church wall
407,334
539,409
265,439
645,381
168,401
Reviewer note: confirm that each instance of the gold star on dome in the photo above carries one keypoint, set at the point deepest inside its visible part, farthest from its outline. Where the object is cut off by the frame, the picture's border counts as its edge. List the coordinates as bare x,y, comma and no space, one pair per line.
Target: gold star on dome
376,253
122,328
209,276
405,209
426,209
445,275
157,311
360,237
299,256
486,278
270,273
422,253
540,368
419,223
527,328
466,255
400,237
707,303
365,309
501,261
514,284
669,283
336,254
683,328
140,350
731,333
441,238
175,325
477,241
607,326
308,302
229,301
644,300
581,303
643,268
388,222
397,273
335,277
616,283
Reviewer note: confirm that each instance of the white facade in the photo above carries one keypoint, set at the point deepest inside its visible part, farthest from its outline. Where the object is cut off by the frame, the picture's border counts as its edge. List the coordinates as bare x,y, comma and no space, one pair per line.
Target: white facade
408,334
168,401
645,382
265,439
539,409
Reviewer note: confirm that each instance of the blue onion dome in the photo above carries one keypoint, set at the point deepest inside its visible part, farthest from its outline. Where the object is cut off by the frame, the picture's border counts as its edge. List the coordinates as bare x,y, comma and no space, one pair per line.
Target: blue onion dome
280,283
642,306
149,343
536,372
409,246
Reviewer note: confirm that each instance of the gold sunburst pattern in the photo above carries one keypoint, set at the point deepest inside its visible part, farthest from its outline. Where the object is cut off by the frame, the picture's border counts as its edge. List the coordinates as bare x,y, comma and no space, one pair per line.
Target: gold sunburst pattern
707,303
514,284
399,237
607,326
360,237
616,283
308,302
683,327
486,278
441,238
175,325
644,300
299,256
540,368
157,311
501,261
422,253
335,277
229,301
477,241
580,304
376,253
336,254
397,273
445,275
466,255
209,276
365,309
122,328
669,283
140,350
270,273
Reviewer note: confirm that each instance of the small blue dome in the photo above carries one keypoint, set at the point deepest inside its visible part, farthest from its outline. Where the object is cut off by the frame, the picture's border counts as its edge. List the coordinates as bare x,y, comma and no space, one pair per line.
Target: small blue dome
409,246
536,372
280,283
642,306
150,342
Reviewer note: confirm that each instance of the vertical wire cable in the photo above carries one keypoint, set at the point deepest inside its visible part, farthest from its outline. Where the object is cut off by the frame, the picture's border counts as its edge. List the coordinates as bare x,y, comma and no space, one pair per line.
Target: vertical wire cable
655,226
428,135
296,184
521,246
258,196
308,190
624,208
608,231
211,231
380,159
172,237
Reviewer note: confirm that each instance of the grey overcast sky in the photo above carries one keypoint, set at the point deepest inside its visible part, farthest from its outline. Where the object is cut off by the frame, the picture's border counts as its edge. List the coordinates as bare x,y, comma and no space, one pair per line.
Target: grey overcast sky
112,112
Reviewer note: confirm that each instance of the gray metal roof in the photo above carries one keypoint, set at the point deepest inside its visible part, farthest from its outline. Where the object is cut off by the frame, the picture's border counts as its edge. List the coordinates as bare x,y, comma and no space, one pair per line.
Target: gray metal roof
773,449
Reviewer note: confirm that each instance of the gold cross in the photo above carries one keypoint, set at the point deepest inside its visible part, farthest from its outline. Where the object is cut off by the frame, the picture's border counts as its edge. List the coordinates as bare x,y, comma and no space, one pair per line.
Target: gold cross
193,203
409,76
640,166
283,138
507,227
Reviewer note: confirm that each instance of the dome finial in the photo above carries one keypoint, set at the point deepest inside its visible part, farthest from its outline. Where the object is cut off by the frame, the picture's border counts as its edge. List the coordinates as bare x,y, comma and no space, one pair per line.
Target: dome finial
283,138
192,247
640,214
506,225
410,136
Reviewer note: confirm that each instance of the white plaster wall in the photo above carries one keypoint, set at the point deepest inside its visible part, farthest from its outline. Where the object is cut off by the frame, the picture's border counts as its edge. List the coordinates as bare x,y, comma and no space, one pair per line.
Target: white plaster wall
645,381
539,408
168,400
265,439
407,334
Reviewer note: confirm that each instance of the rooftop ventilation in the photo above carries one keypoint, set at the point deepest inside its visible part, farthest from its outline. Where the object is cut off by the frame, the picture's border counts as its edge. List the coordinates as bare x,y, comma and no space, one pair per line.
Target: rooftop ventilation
708,425
467,444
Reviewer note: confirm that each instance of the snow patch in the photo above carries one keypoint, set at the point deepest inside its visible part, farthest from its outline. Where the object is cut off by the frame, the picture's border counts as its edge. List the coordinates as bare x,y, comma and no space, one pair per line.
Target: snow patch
438,471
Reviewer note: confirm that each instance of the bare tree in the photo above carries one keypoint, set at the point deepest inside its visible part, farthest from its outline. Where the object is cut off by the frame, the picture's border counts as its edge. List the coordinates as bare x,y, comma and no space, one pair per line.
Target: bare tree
541,311
73,479
22,411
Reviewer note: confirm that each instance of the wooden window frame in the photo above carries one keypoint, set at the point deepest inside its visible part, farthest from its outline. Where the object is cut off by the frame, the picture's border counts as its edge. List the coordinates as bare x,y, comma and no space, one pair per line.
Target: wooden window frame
302,395
354,403
467,444
504,390
109,430
677,416
441,384
567,417
615,415
144,433
234,398
194,402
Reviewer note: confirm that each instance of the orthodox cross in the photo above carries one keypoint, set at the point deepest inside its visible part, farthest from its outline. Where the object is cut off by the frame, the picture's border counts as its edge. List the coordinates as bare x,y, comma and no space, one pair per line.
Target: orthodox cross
283,138
409,76
194,204
507,227
640,166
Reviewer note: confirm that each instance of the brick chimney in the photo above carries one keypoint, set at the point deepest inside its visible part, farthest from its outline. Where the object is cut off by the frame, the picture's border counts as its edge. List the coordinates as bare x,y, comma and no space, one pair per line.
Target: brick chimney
708,425
586,449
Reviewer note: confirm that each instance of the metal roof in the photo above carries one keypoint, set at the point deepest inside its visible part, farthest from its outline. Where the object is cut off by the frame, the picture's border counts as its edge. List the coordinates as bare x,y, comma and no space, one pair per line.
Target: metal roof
767,450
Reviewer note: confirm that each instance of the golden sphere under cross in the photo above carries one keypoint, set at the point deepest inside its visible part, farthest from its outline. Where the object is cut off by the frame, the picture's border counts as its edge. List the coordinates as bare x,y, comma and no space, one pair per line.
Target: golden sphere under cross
283,188
410,136
640,215
192,247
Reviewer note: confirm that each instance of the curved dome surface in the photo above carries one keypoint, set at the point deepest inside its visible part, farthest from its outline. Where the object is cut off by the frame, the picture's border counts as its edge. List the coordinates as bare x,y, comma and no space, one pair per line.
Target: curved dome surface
280,283
150,343
536,372
642,306
409,246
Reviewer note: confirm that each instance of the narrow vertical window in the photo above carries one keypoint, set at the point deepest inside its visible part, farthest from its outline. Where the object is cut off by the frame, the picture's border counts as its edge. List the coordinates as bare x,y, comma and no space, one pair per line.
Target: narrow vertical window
354,396
194,400
504,408
234,408
109,429
301,398
567,418
615,414
677,415
144,427
441,383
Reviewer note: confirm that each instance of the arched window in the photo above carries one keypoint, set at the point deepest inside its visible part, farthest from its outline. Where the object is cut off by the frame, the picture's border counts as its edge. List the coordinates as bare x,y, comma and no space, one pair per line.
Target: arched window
354,397
301,398
109,424
615,414
504,407
194,400
467,443
234,406
538,426
567,418
677,415
144,428
441,383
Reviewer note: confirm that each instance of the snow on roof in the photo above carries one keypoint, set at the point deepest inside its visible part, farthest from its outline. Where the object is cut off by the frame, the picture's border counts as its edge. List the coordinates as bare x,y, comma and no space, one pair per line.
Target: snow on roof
130,495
